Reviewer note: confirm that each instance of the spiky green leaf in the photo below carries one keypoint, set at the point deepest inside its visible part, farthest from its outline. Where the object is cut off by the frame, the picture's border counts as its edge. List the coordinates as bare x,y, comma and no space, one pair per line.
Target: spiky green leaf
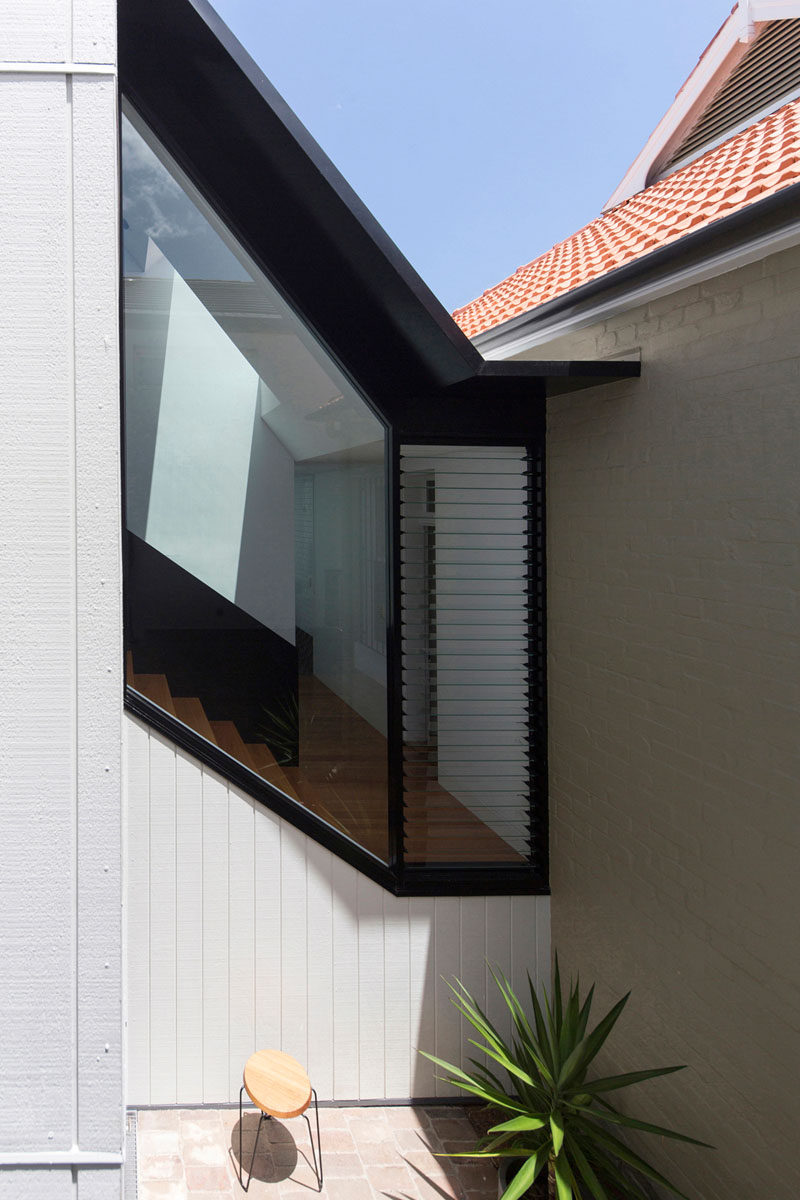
610,1168
563,1175
557,1131
634,1160
534,1122
528,1172
611,1082
589,1046
584,1168
645,1127
542,1043
557,1006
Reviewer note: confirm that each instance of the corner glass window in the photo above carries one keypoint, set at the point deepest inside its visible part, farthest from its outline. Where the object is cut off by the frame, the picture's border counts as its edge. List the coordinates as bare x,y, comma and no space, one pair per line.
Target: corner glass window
255,511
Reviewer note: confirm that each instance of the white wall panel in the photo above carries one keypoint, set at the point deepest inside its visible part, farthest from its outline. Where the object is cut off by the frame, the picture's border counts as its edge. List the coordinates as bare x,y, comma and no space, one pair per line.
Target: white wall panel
94,31
473,952
163,923
214,946
55,1184
37,618
61,1038
397,994
371,1024
447,965
498,937
293,951
294,948
98,608
137,908
267,928
37,31
345,980
320,966
421,991
241,929
188,924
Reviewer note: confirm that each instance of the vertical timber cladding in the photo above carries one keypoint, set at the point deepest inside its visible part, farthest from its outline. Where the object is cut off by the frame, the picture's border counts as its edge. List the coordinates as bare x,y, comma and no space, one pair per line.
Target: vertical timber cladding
473,690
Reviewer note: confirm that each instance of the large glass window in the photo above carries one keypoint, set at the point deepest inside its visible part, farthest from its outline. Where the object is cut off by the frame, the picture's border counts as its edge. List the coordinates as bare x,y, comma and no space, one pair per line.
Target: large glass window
255,502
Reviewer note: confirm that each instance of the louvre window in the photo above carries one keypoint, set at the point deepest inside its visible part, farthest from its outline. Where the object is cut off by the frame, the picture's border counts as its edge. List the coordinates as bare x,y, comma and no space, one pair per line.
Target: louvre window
466,623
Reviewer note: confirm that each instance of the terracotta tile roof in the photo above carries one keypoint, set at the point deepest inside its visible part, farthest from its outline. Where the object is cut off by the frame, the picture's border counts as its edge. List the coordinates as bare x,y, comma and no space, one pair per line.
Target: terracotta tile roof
749,166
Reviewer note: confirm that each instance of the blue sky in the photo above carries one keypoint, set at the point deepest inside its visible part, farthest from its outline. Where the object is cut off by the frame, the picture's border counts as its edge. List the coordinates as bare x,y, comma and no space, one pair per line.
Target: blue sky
479,134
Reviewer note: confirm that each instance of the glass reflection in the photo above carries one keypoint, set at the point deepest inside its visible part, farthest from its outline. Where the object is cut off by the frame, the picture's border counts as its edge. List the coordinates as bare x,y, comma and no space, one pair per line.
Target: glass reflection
255,484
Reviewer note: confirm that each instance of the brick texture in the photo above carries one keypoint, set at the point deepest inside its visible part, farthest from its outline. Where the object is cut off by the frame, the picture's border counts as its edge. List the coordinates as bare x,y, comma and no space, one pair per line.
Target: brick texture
674,677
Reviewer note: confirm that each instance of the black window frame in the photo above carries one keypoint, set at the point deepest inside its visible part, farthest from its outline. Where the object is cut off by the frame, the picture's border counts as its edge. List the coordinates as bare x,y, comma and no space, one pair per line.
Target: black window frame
216,114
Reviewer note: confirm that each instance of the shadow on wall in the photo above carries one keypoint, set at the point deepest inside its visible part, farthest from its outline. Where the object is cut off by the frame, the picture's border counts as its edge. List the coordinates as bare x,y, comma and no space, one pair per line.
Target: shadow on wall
243,933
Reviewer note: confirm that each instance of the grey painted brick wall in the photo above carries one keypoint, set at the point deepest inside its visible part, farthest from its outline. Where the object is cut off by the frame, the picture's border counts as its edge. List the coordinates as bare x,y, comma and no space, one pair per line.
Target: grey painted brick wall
673,543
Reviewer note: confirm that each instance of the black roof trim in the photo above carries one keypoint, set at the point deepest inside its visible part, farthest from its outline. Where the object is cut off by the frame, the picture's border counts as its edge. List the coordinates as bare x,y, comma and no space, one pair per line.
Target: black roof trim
525,380
224,123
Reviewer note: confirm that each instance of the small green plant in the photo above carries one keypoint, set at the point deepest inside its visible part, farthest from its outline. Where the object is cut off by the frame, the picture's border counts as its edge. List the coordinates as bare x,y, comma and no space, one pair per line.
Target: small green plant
561,1120
281,729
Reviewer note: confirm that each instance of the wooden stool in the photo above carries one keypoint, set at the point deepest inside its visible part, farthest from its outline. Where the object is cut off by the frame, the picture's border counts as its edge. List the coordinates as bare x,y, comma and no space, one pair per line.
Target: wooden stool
279,1087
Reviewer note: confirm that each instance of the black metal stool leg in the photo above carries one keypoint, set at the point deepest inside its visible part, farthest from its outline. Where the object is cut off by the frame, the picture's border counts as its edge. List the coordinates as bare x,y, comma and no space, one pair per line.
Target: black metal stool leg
317,1169
264,1117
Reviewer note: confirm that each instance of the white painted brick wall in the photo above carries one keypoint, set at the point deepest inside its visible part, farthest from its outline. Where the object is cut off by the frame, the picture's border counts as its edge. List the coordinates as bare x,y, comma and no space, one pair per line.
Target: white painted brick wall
674,642
60,653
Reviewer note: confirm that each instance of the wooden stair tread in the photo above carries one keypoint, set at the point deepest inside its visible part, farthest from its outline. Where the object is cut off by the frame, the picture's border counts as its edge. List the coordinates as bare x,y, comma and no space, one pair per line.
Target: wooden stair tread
155,688
343,776
190,710
265,763
321,799
230,740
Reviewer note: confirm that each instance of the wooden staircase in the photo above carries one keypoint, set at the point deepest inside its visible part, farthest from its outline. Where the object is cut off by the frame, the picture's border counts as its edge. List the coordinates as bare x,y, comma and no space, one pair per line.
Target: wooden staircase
342,776
256,756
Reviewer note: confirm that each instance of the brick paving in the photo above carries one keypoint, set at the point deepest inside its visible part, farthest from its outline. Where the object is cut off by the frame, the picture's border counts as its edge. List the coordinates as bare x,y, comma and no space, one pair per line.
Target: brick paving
193,1154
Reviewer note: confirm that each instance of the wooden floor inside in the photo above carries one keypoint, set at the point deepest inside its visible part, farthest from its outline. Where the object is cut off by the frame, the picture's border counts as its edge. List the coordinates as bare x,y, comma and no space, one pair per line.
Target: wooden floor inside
343,767
342,777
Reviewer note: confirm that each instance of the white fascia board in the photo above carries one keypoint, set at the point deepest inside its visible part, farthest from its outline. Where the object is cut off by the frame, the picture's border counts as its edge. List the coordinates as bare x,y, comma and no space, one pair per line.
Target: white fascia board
713,68
525,333
773,10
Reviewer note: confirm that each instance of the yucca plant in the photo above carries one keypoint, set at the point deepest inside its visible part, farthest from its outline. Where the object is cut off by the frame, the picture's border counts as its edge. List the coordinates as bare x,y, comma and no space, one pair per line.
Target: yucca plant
561,1121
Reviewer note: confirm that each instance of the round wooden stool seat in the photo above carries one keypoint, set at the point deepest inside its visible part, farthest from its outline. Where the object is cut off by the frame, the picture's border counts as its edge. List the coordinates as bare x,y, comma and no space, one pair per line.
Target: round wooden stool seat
277,1084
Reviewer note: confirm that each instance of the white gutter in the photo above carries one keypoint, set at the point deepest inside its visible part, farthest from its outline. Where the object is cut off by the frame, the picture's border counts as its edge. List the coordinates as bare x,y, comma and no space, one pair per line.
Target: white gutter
62,1158
524,333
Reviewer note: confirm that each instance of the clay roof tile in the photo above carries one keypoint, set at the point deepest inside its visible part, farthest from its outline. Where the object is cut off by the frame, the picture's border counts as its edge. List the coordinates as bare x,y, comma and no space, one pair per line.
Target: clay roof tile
753,164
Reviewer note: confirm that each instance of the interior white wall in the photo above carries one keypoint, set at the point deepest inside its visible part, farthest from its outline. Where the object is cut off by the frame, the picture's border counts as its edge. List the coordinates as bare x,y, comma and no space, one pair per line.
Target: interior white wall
265,584
244,933
198,485
61,1090
348,557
